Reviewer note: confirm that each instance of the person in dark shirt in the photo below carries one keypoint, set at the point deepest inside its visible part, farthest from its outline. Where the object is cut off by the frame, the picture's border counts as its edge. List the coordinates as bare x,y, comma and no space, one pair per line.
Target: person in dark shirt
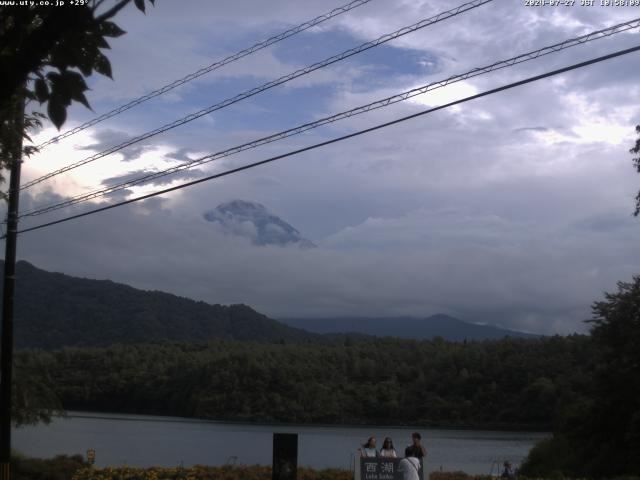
507,472
416,448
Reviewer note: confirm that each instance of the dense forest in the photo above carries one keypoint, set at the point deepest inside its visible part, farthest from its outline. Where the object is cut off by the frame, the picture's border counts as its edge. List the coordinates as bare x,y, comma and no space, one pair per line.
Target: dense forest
505,384
599,435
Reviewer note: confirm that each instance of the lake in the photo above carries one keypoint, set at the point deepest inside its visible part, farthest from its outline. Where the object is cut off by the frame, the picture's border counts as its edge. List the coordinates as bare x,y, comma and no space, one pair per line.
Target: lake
138,440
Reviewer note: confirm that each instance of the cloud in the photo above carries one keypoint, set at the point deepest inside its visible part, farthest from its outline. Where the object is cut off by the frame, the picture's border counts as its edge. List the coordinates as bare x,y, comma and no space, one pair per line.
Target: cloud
106,139
166,180
479,266
511,209
531,129
182,155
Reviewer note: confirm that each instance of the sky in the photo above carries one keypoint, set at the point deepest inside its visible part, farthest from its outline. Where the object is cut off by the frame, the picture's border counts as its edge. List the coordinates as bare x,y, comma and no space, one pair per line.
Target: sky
514,209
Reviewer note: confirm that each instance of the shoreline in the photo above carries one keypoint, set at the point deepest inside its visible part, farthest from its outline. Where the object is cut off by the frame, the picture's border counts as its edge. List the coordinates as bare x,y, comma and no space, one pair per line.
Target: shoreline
102,415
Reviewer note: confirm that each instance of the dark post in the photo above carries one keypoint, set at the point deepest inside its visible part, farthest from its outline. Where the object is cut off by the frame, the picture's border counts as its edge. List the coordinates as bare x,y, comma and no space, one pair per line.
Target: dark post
6,342
285,456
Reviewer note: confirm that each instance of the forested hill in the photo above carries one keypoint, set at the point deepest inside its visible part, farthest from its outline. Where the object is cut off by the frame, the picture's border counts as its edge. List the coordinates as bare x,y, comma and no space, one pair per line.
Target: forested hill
55,310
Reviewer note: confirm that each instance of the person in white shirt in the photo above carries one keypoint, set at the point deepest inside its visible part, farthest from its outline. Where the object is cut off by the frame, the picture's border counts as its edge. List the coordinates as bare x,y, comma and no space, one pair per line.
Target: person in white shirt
369,448
387,449
409,466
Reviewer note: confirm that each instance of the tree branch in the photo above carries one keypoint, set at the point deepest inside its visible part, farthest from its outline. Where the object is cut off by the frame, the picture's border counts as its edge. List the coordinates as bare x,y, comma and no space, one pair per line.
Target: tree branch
112,11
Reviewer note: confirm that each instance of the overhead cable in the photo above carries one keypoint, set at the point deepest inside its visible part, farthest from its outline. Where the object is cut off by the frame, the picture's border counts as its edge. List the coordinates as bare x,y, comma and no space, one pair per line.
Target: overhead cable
621,27
284,79
338,139
214,66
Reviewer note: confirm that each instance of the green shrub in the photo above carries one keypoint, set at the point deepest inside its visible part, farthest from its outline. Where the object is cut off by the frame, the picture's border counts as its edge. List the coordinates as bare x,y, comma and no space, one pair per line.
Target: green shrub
550,458
62,467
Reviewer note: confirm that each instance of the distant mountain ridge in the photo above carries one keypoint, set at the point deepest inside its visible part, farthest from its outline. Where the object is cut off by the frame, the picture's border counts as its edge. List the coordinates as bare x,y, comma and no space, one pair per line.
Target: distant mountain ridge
254,221
440,325
53,310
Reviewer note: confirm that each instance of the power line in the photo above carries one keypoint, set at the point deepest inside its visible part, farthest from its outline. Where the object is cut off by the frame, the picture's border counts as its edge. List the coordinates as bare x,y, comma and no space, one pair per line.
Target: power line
286,78
214,66
339,139
621,27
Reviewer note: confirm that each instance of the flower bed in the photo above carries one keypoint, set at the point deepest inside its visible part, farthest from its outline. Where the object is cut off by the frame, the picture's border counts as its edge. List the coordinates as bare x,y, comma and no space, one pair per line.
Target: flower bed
203,473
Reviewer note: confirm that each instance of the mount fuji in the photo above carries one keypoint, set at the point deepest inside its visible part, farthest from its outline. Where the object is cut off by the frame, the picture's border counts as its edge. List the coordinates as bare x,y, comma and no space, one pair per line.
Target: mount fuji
254,221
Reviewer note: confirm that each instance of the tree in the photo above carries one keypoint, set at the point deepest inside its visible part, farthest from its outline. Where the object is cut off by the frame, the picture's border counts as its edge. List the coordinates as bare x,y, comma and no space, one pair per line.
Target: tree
46,52
34,393
616,409
636,162
600,437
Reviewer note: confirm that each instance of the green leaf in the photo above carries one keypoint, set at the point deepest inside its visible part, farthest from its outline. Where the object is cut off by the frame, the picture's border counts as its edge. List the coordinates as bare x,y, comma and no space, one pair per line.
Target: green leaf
139,5
42,90
102,65
59,57
74,80
75,87
29,95
54,77
29,150
85,62
79,97
57,111
110,29
102,43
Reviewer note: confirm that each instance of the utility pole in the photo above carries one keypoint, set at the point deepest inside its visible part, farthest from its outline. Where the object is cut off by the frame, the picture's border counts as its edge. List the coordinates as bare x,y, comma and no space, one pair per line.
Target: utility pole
6,340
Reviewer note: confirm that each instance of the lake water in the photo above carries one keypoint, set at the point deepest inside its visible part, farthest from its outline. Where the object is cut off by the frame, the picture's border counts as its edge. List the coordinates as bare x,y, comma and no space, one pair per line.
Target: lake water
142,441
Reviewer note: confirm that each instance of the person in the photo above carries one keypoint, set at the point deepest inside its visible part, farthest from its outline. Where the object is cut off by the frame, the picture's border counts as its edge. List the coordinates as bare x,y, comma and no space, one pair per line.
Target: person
416,447
369,448
508,470
387,449
410,465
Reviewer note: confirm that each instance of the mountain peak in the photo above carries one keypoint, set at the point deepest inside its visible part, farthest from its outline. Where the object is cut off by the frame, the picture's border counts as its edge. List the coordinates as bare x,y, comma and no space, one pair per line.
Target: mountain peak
254,221
242,207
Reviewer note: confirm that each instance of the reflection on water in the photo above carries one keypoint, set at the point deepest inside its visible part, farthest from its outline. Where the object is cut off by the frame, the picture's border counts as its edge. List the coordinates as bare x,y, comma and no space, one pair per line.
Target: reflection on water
168,441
